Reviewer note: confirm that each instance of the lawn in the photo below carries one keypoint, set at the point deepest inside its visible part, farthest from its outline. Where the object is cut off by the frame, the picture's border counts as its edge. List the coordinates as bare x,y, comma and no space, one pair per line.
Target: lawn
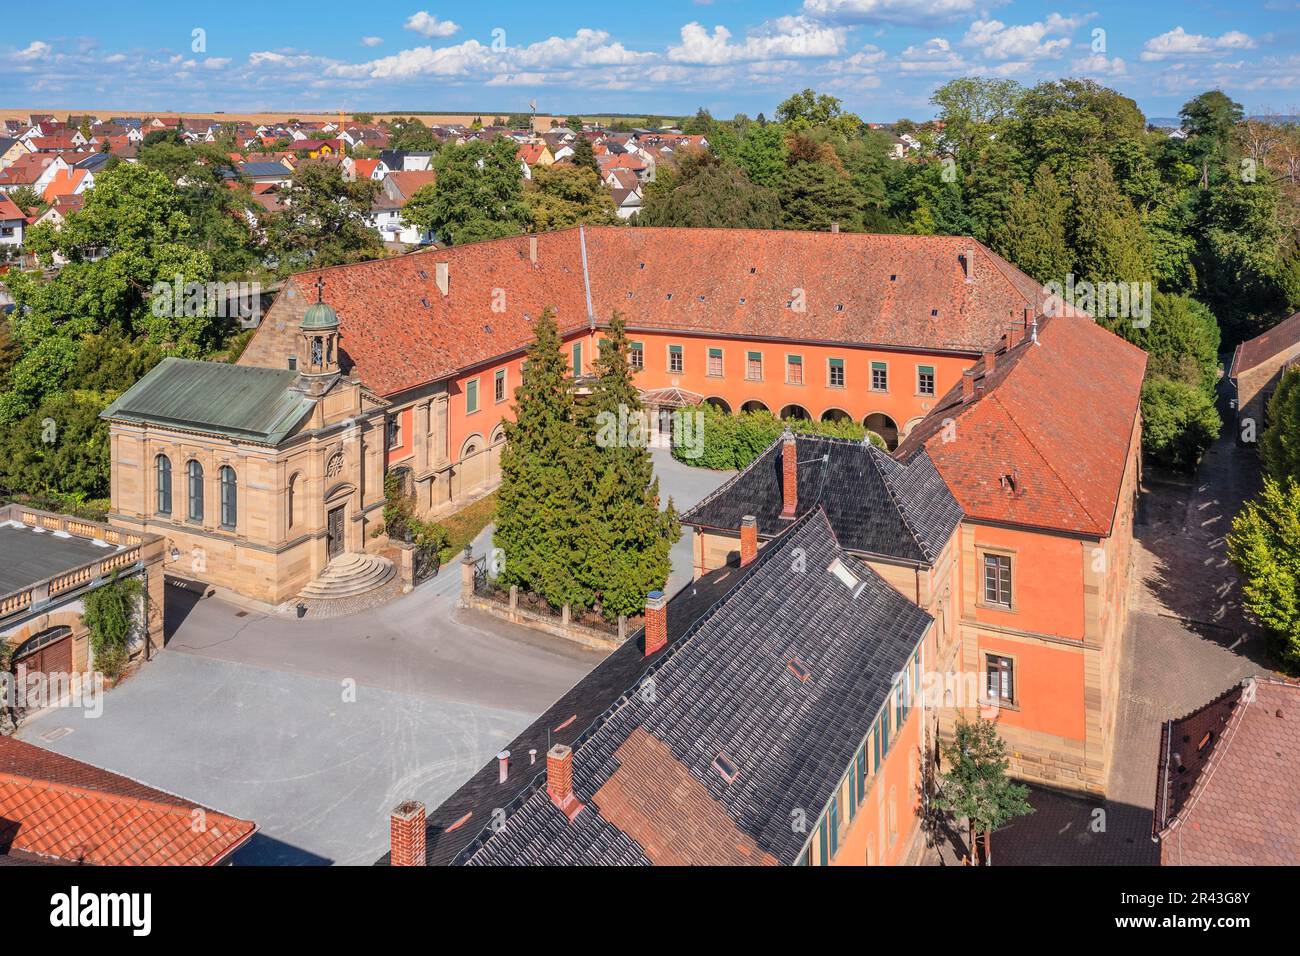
465,525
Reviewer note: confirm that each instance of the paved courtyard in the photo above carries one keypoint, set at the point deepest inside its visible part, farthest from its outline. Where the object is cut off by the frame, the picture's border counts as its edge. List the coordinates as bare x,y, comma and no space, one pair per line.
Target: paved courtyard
316,729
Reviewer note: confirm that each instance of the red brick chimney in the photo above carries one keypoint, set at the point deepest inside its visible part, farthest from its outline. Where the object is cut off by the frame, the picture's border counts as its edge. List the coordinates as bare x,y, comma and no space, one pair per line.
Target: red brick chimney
1015,332
559,780
789,475
656,622
968,385
406,834
748,540
1029,317
990,361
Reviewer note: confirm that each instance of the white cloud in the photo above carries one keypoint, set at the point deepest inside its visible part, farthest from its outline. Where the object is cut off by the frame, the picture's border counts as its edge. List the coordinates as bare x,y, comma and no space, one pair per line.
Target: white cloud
935,55
1098,65
36,50
998,41
216,63
371,41
426,24
1178,42
909,12
784,38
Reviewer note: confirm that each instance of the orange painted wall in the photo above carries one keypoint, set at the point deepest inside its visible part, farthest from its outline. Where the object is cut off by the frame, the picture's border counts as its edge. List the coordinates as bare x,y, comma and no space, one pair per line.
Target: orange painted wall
1047,582
406,449
900,402
899,775
1049,686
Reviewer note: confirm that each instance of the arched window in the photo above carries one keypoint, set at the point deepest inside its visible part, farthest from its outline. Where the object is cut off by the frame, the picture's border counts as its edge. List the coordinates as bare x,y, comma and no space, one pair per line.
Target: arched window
229,507
163,466
195,471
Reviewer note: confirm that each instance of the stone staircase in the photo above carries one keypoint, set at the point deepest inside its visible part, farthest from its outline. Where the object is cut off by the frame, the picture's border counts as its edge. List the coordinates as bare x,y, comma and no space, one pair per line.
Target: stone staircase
349,575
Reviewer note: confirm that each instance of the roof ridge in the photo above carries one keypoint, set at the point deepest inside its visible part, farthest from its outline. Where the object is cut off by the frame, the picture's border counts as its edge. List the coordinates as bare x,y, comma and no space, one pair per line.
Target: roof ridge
184,810
898,505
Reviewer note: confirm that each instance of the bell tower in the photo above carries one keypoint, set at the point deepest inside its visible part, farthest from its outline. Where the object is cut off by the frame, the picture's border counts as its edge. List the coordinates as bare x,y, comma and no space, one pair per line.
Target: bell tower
318,337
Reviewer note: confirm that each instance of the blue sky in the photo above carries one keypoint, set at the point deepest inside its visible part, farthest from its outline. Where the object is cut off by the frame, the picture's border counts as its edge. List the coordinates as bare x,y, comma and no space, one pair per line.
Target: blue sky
882,57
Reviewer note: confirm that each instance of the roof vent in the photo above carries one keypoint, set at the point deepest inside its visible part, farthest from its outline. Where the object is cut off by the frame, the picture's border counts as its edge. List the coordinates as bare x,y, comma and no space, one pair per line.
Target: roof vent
753,269
894,277
726,767
799,669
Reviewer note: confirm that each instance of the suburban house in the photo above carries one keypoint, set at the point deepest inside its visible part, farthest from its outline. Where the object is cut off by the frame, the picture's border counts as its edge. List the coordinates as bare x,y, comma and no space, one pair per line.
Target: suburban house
533,154
48,564
386,212
1257,366
55,810
35,171
809,753
13,221
1228,780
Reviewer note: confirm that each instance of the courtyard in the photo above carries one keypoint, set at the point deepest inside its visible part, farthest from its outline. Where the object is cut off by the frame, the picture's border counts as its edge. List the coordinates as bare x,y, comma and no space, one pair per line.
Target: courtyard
316,729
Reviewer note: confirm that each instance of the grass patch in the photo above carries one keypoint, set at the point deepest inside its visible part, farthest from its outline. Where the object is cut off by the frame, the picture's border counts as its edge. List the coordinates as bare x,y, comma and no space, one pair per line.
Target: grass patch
464,526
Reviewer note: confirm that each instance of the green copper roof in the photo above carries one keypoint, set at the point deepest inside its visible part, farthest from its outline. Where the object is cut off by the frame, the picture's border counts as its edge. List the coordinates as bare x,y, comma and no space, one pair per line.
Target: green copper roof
319,317
236,401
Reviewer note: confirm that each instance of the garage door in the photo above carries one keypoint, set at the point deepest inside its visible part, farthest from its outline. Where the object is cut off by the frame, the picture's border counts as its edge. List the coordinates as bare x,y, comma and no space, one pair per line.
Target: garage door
49,652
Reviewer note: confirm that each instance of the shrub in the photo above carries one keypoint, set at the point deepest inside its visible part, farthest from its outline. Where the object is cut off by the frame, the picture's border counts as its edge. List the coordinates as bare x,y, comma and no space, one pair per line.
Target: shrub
1265,546
1179,423
113,614
733,441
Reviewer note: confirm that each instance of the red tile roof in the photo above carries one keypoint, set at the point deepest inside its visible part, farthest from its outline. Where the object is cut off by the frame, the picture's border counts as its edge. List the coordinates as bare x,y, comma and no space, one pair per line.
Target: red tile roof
859,289
1045,440
61,809
364,168
530,153
1228,786
1280,338
9,210
408,182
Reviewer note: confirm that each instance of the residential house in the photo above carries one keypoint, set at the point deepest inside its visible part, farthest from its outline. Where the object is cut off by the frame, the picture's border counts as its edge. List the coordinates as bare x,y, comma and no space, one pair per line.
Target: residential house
1228,780
533,154
1256,369
13,222
808,753
35,171
386,212
61,811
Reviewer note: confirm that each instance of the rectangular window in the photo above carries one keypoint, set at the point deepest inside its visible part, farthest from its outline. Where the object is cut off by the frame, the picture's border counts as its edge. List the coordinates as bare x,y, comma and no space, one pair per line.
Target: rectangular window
997,579
471,395
1001,679
862,773
877,748
636,355
577,359
835,373
925,380
675,360
754,366
823,858
879,377
715,363
794,369
499,385
394,433
833,826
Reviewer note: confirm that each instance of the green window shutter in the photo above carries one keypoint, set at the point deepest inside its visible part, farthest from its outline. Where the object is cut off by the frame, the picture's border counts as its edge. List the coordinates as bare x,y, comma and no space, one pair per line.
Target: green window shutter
796,359
754,356
837,363
675,349
877,366
471,396
715,353
577,358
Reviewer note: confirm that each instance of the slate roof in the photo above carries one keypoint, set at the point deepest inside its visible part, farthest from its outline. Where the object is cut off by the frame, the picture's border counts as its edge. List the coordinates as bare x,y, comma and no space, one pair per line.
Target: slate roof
1228,784
875,504
1056,418
56,809
644,771
236,401
860,289
1280,338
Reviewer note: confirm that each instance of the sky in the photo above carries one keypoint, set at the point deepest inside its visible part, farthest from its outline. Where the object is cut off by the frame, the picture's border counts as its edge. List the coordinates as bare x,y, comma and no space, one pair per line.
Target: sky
883,58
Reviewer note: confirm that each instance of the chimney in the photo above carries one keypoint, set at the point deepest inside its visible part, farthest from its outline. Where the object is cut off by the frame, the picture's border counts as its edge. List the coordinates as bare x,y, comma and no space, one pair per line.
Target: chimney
656,622
968,264
440,276
789,475
968,385
1029,317
532,249
990,360
503,766
1015,332
559,780
835,227
406,834
748,540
